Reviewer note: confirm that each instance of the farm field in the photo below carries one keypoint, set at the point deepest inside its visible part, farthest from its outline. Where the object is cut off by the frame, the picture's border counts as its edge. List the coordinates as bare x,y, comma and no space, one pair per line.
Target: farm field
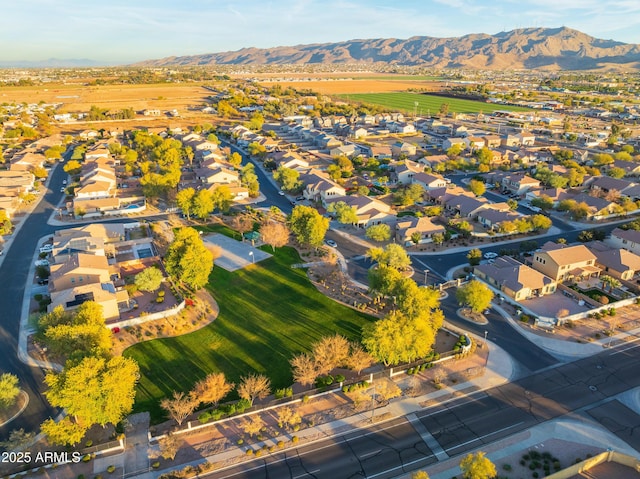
405,102
268,313
79,97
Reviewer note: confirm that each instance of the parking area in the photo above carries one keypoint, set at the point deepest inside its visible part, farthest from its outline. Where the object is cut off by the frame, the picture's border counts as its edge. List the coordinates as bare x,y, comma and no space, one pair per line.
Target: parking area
234,254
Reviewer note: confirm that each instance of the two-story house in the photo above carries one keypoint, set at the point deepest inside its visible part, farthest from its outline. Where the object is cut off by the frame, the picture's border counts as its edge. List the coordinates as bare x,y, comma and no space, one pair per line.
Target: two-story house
561,262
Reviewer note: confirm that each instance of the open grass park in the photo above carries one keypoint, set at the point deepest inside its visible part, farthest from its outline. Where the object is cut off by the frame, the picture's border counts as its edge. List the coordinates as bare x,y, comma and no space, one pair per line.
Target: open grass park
268,313
406,102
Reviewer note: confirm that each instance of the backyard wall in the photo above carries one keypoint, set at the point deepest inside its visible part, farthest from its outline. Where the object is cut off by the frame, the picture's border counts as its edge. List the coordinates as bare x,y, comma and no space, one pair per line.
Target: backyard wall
149,317
584,466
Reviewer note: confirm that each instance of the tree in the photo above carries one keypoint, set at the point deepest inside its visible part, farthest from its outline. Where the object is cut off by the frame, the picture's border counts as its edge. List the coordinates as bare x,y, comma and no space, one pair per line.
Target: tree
184,200
243,223
256,149
344,213
308,226
188,260
474,256
330,352
274,234
76,334
476,295
358,359
287,178
149,279
170,444
543,202
437,238
5,223
399,339
212,389
96,390
18,440
477,466
65,432
513,204
179,407
381,232
222,198
413,300
235,159
616,172
393,255
540,222
477,187
203,203
254,386
611,282
73,167
304,369
249,180
252,425
9,390
410,194
287,417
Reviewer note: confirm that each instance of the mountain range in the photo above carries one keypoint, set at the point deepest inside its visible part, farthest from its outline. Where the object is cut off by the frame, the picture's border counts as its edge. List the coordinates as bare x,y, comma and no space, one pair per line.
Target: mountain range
527,48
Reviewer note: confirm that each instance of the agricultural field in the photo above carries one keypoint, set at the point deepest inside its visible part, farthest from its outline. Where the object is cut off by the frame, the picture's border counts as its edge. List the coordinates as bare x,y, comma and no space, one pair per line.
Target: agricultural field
80,97
268,313
406,102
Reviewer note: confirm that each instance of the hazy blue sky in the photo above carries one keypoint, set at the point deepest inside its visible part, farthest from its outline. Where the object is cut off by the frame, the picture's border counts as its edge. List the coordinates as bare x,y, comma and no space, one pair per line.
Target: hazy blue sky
129,30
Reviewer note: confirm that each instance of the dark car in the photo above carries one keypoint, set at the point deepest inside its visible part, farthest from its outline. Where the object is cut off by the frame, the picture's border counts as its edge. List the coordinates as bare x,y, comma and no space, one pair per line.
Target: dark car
43,281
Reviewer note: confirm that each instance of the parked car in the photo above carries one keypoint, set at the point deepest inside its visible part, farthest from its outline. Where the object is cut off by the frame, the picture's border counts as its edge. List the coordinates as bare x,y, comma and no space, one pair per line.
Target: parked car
42,262
299,198
490,255
331,243
43,281
46,248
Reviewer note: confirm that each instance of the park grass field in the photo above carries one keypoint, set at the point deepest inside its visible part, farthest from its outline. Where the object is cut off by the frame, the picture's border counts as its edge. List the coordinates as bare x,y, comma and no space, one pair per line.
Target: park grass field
268,313
405,102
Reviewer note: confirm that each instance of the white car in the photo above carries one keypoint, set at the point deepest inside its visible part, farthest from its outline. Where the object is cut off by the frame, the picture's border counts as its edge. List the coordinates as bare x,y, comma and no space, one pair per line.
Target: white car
490,255
281,193
331,243
42,262
46,248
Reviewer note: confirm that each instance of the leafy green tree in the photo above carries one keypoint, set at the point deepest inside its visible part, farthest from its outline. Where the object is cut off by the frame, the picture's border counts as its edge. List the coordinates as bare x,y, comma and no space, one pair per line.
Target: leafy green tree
412,300
540,222
188,260
513,204
477,187
476,295
65,432
432,211
287,178
437,238
76,334
308,226
203,203
249,180
184,200
543,202
235,159
616,172
474,256
256,122
409,195
5,223
149,279
9,390
397,338
256,149
393,255
477,466
96,390
222,198
381,232
344,213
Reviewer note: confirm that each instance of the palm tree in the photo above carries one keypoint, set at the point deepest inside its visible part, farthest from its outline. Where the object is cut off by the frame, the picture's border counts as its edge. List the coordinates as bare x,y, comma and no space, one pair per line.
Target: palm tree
610,282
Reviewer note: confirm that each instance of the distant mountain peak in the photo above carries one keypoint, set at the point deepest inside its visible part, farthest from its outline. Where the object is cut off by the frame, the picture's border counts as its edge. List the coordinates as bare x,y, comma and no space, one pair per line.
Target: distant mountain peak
561,48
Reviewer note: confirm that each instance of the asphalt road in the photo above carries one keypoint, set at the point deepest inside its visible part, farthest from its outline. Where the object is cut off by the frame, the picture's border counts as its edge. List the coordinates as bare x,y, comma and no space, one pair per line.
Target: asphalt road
583,387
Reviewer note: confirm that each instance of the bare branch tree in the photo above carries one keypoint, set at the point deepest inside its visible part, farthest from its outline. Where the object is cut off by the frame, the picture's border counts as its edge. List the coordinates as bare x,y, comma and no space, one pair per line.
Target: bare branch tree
254,386
211,389
253,425
274,234
358,358
330,352
180,407
304,369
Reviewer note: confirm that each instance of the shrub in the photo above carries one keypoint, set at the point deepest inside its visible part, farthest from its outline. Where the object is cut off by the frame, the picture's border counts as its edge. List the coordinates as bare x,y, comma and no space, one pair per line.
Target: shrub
295,439
86,458
111,469
338,378
204,418
603,299
156,465
249,452
305,399
280,444
259,453
612,311
216,414
89,443
240,442
506,467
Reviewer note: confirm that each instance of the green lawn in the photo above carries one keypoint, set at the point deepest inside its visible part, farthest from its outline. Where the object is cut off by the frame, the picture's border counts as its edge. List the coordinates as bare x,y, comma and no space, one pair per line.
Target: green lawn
268,313
405,102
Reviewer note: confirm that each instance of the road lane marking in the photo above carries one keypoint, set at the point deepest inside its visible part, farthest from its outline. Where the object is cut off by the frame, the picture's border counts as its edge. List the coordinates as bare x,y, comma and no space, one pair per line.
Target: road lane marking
486,435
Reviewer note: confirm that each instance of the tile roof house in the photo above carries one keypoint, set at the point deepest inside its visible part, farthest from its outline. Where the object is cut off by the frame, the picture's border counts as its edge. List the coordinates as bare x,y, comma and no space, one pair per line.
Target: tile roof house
217,175
520,183
627,239
491,218
561,262
369,210
466,206
617,262
319,187
405,172
429,182
514,279
408,225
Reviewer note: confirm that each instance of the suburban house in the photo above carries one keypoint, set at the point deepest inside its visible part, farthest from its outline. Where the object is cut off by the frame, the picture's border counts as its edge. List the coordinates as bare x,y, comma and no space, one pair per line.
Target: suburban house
407,226
369,210
626,239
606,184
219,175
319,187
429,182
491,218
345,150
631,168
289,159
561,262
27,161
492,141
466,205
526,138
403,148
474,142
554,194
449,142
405,172
519,183
514,279
616,262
